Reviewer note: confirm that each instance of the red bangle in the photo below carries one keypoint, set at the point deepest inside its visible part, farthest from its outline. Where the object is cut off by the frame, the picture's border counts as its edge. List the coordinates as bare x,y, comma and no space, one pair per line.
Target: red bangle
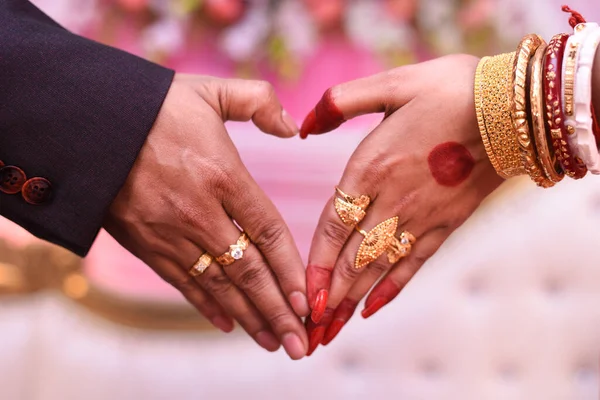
555,120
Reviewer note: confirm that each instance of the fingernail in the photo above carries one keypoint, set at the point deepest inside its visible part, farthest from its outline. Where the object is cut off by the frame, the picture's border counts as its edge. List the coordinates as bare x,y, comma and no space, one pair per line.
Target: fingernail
224,324
267,340
333,330
374,307
299,304
320,305
289,123
308,126
293,346
314,339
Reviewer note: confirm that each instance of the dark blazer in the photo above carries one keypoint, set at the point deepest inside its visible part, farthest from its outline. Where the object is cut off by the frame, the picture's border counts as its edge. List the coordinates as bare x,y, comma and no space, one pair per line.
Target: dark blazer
73,112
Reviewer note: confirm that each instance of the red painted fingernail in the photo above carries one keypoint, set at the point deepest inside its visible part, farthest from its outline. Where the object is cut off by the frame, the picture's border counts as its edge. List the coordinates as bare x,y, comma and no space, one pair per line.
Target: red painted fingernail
374,307
314,339
309,124
333,330
320,305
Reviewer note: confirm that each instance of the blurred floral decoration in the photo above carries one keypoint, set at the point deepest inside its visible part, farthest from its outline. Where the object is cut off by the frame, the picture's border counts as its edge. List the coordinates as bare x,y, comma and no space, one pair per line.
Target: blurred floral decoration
283,33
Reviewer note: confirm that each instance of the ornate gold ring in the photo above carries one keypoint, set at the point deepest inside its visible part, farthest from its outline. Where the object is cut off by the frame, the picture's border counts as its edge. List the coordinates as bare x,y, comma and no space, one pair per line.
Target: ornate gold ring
350,209
236,251
382,239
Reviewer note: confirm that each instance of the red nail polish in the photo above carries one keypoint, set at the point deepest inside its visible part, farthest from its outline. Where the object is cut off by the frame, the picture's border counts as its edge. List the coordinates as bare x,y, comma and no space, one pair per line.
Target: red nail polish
315,338
374,307
308,126
333,330
320,305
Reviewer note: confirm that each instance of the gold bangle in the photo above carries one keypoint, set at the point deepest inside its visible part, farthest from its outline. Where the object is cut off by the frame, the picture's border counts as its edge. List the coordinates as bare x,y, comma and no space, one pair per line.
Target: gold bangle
545,153
493,86
529,44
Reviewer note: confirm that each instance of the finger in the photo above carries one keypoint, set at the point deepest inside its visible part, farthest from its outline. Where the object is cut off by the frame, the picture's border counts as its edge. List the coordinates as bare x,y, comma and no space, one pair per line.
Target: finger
328,241
244,100
253,210
346,273
422,250
252,276
341,316
235,303
391,285
316,331
193,293
383,92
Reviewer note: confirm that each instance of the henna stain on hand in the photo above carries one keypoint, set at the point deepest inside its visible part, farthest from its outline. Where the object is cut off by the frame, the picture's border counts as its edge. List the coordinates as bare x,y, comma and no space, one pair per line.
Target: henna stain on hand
317,278
325,117
450,163
341,316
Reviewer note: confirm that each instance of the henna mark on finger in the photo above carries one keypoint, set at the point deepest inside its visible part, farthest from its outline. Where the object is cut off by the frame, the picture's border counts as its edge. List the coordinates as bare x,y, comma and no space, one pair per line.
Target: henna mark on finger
381,295
318,278
450,163
325,117
341,316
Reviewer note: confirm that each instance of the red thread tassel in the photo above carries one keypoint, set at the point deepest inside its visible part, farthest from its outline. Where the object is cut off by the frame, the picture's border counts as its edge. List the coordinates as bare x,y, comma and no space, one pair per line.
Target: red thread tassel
575,17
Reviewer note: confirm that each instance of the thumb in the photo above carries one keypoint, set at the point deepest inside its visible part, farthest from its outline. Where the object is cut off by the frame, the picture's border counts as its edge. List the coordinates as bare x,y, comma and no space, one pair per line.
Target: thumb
244,100
383,92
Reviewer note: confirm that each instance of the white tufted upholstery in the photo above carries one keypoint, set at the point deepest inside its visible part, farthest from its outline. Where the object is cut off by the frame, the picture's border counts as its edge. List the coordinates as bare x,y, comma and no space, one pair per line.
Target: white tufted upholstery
507,309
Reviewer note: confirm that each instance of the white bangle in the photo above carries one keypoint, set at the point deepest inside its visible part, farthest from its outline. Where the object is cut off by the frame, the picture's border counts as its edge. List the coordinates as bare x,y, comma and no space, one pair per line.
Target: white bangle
577,93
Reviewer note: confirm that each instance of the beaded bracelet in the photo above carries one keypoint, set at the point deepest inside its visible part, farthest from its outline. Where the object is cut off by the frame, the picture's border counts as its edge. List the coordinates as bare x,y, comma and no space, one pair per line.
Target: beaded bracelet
553,62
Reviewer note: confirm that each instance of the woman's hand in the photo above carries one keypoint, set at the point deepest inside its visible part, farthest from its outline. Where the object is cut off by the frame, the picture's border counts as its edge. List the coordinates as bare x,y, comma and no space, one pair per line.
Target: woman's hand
425,163
184,193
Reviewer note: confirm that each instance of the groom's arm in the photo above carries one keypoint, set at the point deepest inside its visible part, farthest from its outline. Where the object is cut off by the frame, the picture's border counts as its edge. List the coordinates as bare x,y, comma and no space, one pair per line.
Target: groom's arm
74,112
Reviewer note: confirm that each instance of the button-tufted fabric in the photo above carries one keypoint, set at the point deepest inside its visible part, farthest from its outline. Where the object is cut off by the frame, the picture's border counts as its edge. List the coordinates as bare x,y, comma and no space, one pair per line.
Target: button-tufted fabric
37,191
11,179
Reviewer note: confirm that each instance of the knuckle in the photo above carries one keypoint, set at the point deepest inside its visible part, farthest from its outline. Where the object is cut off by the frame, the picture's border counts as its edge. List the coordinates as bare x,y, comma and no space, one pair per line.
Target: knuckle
280,319
218,284
254,278
335,233
184,284
379,267
271,236
347,271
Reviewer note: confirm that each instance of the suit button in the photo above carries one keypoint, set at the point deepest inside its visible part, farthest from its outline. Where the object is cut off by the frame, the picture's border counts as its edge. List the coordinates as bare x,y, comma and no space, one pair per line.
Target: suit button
11,179
37,191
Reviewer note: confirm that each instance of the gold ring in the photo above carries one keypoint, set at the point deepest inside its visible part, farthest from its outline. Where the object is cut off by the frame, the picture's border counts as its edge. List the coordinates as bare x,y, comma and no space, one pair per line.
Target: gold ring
350,209
201,265
382,239
235,252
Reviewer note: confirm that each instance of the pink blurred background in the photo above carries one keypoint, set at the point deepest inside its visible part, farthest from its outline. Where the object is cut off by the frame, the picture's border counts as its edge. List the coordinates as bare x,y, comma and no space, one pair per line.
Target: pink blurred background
303,47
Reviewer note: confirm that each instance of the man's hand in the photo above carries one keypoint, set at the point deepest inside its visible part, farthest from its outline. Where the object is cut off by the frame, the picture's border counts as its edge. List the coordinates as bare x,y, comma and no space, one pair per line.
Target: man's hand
189,191
425,163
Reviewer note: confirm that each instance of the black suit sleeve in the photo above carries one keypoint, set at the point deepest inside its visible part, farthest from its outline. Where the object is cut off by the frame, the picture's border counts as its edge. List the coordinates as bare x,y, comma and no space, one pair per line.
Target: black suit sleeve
74,112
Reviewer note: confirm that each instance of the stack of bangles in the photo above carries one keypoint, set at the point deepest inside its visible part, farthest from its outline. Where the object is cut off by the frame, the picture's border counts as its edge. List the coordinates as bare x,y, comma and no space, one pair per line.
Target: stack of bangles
534,107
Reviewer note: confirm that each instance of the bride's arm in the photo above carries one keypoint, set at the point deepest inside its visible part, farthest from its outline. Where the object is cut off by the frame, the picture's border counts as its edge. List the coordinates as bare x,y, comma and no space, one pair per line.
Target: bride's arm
596,83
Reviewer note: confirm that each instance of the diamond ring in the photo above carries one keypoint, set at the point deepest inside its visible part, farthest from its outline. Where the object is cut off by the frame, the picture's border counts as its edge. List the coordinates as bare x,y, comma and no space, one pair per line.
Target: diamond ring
236,251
